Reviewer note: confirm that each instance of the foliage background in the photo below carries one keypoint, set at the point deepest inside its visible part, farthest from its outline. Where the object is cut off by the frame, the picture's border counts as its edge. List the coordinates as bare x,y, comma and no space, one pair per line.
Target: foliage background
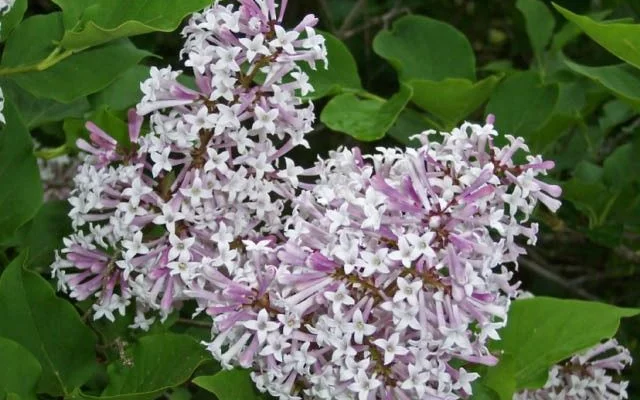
589,125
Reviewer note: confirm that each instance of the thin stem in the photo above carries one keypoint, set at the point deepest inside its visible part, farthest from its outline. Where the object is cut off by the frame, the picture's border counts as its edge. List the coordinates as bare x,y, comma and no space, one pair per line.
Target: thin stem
52,59
201,324
50,154
352,16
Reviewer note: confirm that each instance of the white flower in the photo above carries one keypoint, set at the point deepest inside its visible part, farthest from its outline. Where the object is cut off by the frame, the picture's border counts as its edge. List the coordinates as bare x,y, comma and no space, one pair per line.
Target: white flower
262,325
391,347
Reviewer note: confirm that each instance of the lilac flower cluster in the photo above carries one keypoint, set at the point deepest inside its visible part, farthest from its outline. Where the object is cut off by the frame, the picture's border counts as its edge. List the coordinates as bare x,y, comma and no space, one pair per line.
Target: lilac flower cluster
209,180
392,274
57,176
586,376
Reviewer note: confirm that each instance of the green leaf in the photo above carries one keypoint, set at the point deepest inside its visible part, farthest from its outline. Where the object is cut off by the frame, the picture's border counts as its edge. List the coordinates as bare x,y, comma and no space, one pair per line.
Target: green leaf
124,92
544,331
43,235
106,20
539,22
522,104
342,72
11,19
453,99
21,194
570,32
423,48
48,327
482,392
500,379
83,73
72,10
619,163
622,80
155,363
408,124
367,119
623,40
33,40
36,111
232,384
20,371
587,191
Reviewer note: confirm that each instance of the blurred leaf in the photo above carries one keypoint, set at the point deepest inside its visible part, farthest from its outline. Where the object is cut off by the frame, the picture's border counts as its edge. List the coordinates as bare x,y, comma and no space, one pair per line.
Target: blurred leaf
522,104
83,73
623,40
20,372
566,113
341,74
36,111
451,100
409,123
365,120
618,165
21,194
543,331
106,20
423,48
622,80
48,327
587,191
156,363
539,22
124,92
500,379
232,384
614,113
11,19
43,235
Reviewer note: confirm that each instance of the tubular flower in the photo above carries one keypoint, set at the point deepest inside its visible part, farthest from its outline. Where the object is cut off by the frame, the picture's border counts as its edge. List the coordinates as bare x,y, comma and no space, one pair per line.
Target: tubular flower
208,181
586,376
392,278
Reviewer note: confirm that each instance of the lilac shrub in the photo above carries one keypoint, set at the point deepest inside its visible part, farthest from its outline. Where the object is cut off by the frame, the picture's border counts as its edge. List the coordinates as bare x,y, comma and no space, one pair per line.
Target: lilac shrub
209,178
392,274
365,276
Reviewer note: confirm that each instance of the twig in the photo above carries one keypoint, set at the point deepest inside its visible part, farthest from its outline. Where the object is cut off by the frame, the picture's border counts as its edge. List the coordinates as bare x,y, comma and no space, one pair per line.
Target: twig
547,274
382,19
328,15
186,321
352,16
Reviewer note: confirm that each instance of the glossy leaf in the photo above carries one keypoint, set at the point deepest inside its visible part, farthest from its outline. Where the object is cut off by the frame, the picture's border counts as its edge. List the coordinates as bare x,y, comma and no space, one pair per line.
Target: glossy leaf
451,100
83,73
20,370
623,40
21,193
622,80
341,74
522,104
539,22
364,119
232,384
106,20
543,331
156,363
424,48
47,326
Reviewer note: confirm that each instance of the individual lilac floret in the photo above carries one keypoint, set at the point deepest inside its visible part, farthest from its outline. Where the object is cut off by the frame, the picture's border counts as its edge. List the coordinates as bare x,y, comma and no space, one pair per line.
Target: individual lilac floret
165,212
586,376
393,278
